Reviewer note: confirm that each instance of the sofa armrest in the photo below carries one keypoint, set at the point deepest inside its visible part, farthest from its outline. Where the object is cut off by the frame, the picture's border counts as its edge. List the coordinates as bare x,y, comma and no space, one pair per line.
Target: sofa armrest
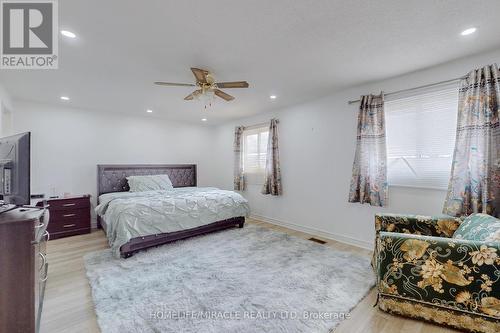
458,274
440,226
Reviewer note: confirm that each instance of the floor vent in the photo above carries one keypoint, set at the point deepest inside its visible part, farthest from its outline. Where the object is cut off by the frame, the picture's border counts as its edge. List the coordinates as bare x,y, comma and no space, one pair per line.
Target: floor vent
317,240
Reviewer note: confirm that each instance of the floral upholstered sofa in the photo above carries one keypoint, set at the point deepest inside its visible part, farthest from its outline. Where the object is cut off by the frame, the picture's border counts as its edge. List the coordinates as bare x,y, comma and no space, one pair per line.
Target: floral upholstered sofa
426,270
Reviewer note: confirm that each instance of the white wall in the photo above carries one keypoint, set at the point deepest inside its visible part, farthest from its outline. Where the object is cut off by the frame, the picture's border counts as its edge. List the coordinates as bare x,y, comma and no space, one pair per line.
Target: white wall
67,144
5,113
317,149
5,98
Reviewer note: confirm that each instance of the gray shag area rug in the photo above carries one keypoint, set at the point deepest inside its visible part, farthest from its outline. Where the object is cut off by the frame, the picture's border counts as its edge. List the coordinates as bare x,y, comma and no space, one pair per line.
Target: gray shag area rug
238,280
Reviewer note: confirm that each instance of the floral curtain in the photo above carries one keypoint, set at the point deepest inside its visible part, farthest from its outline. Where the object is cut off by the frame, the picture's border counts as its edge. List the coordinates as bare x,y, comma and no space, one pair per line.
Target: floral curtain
475,175
369,180
239,176
272,182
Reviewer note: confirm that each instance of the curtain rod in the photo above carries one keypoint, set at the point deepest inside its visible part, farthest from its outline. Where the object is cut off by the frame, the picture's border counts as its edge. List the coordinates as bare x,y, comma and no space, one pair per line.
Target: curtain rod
415,88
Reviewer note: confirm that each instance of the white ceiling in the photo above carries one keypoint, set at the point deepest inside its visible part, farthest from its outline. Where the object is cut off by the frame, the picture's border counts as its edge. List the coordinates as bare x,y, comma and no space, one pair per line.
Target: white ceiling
297,50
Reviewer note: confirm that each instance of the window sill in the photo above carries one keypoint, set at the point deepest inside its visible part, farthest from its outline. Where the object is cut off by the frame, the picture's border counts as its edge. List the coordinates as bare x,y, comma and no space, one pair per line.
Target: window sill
420,187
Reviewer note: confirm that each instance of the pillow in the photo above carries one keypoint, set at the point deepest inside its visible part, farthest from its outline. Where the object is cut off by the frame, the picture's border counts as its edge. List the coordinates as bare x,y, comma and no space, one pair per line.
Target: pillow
149,183
479,227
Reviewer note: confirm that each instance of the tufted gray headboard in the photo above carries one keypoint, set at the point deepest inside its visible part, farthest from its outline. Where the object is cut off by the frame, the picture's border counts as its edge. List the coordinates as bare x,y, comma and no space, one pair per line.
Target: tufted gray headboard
113,177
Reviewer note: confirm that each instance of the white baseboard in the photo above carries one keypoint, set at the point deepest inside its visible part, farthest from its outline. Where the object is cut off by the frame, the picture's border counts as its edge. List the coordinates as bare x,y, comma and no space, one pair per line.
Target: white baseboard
317,232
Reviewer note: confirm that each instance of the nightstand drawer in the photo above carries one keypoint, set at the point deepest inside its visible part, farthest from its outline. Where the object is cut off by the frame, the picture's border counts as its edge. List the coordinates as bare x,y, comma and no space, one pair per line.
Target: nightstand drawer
69,226
64,204
69,216
58,216
65,220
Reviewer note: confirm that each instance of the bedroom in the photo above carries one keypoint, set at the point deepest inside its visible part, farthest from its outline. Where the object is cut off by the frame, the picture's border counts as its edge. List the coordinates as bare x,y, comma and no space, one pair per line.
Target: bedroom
98,117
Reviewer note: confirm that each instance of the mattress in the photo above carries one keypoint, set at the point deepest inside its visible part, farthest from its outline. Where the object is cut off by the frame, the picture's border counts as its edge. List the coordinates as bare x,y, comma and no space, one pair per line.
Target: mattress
134,214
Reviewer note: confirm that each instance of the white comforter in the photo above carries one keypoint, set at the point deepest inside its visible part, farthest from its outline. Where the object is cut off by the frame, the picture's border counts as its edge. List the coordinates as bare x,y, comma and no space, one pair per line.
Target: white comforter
134,214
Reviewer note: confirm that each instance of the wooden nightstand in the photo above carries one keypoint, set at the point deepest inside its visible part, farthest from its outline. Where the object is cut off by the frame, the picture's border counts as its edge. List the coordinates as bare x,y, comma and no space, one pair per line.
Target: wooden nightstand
69,216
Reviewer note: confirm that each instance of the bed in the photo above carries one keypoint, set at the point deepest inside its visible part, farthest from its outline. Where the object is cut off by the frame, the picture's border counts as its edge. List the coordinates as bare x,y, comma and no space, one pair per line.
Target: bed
138,220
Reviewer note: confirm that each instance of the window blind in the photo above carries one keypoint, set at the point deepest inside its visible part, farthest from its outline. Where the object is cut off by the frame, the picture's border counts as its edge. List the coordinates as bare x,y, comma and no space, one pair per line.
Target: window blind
421,138
255,150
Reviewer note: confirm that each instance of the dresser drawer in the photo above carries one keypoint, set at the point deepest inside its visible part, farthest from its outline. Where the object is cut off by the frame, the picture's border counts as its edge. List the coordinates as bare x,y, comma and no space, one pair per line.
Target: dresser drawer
41,226
41,274
23,266
68,216
68,226
61,216
66,220
64,204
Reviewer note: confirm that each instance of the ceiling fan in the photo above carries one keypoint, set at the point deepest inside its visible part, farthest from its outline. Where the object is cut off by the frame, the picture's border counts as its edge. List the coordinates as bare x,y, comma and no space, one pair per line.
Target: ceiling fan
206,85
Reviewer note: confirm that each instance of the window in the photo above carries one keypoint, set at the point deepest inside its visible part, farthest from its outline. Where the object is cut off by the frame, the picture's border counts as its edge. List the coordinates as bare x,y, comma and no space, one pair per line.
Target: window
421,138
254,152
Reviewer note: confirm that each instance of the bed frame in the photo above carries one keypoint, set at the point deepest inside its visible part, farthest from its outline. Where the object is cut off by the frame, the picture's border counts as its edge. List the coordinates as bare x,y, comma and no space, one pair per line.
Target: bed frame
112,178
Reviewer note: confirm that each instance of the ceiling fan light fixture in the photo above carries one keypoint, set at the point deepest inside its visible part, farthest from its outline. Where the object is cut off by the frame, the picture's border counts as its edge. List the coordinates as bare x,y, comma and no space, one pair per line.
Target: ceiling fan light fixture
207,97
273,97
207,89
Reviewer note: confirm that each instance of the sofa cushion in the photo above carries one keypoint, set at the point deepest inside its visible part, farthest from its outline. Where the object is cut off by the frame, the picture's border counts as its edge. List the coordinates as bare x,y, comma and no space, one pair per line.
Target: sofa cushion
479,227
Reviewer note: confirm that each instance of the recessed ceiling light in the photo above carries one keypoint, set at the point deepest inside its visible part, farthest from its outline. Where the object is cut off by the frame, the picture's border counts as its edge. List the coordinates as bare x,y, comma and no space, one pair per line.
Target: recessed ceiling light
149,111
272,97
68,34
468,31
204,119
65,98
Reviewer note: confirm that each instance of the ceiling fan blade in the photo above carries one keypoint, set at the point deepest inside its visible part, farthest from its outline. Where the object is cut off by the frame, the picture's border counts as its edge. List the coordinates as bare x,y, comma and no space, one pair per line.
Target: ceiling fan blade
223,95
192,95
236,84
200,74
174,84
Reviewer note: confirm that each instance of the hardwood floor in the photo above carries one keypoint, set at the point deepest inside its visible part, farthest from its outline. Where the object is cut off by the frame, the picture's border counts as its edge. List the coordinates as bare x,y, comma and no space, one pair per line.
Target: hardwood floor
68,304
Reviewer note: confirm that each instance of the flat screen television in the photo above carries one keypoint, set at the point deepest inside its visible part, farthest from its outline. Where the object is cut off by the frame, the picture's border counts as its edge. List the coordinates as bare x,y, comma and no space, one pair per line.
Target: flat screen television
15,169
